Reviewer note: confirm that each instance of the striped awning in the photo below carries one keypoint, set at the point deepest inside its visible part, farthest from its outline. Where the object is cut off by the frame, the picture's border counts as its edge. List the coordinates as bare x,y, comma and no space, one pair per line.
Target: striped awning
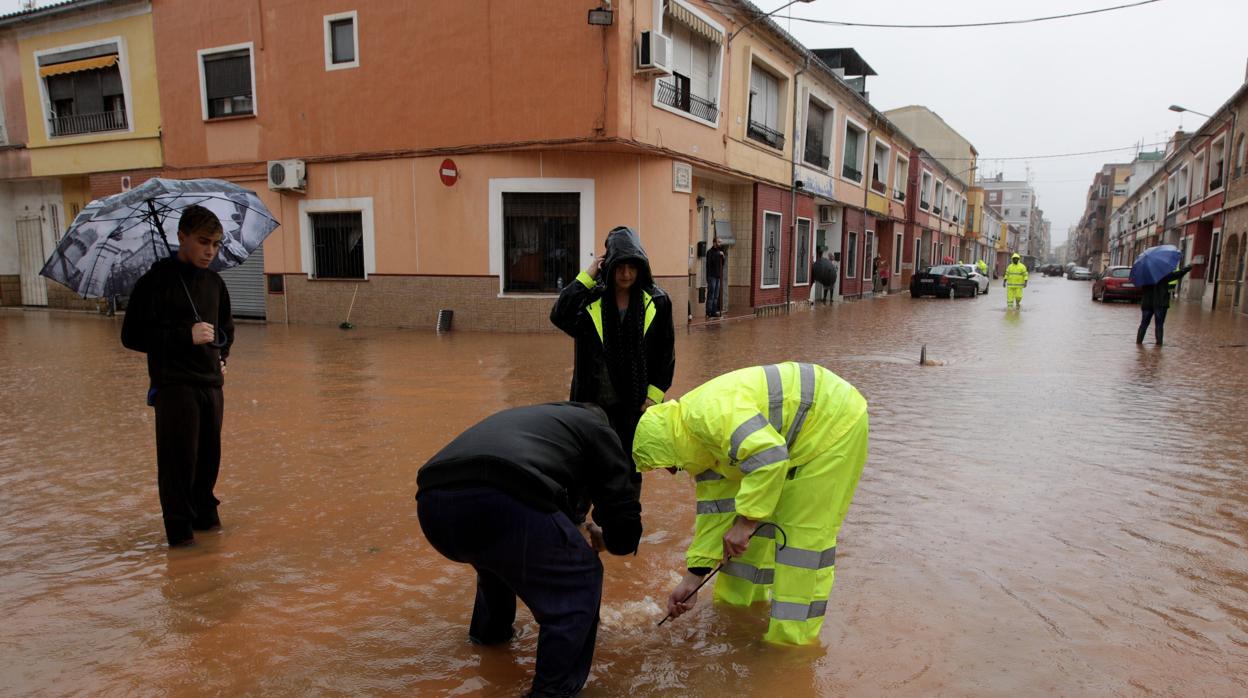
76,66
694,23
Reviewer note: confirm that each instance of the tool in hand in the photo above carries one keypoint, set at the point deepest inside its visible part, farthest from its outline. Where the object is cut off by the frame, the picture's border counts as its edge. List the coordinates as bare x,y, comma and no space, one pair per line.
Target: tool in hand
720,566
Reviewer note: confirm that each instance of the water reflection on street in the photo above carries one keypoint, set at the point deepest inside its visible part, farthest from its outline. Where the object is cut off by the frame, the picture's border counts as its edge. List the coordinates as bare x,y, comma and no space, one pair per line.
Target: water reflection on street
1049,509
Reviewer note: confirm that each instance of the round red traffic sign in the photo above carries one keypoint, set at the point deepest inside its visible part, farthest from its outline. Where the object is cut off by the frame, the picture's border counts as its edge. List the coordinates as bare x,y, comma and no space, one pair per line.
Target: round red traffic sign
448,172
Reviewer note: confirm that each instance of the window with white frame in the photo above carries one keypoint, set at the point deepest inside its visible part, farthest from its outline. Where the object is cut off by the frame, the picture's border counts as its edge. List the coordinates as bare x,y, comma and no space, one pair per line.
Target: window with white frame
879,167
925,192
851,256
817,150
764,125
868,255
1198,177
901,178
342,39
693,86
1182,185
1217,164
803,258
770,276
939,198
898,244
1172,189
337,238
84,89
226,79
854,151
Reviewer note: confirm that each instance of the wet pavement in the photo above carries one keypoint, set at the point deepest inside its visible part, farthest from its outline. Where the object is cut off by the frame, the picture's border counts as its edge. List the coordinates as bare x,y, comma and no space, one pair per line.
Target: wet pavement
1049,510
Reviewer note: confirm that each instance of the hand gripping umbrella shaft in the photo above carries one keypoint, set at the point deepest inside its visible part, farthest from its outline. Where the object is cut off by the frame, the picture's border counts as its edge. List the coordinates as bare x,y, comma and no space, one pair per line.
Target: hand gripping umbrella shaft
720,566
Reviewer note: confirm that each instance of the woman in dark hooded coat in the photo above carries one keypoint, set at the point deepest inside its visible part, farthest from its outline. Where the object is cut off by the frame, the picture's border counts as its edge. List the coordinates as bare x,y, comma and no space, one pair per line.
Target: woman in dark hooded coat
625,342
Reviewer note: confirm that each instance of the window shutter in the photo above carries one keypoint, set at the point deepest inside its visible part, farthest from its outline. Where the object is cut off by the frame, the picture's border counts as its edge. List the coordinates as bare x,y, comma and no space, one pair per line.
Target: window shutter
228,75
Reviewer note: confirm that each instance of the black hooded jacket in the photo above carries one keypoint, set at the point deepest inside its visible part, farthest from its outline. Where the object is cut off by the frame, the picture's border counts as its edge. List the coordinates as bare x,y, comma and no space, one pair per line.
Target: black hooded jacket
560,456
619,362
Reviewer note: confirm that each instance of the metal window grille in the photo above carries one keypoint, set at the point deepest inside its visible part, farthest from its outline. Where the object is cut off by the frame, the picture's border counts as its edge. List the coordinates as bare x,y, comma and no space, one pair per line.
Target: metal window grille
227,83
541,240
678,94
342,40
771,250
337,245
802,272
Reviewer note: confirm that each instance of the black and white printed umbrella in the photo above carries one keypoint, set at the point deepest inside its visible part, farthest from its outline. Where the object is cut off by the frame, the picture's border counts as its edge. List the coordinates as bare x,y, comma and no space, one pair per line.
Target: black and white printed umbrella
115,240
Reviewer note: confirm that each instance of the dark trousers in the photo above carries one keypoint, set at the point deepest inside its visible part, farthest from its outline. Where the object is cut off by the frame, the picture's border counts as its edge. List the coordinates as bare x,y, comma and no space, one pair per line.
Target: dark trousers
518,550
713,289
1156,315
188,456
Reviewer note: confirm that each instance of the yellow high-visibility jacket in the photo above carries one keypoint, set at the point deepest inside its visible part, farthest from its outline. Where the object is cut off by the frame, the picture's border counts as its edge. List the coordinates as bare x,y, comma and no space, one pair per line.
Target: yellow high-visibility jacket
748,428
1016,274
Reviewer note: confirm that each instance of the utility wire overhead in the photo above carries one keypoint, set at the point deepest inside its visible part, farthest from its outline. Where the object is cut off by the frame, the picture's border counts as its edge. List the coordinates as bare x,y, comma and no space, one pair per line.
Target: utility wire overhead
966,25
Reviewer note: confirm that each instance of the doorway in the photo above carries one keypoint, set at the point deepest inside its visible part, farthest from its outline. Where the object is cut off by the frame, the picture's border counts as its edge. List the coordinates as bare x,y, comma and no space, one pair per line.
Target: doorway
31,257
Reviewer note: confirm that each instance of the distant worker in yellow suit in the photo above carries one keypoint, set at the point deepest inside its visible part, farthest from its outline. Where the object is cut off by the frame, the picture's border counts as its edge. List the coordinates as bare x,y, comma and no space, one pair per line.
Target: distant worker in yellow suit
982,266
1015,280
782,444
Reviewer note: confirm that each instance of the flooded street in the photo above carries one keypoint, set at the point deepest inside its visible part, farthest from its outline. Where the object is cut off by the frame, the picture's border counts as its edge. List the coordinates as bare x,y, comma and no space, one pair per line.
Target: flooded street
1051,510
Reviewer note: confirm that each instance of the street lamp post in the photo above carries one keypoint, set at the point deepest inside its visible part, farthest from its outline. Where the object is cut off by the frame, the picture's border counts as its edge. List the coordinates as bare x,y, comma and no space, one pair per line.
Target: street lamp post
1215,255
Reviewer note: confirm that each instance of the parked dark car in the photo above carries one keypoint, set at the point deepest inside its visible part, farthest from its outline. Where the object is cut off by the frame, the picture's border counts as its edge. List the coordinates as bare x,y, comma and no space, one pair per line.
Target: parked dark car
945,280
1115,284
1079,274
1052,270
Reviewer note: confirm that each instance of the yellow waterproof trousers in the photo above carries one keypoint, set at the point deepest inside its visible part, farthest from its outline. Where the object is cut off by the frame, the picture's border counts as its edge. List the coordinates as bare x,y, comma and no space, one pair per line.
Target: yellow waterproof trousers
1013,294
797,578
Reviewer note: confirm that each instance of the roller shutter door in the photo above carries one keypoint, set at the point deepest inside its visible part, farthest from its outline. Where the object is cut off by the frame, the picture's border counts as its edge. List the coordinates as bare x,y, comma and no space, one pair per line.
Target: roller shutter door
246,285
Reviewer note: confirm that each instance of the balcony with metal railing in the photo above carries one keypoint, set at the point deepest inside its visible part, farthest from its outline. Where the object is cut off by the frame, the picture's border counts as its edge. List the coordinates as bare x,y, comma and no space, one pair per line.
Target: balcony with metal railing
688,102
78,124
762,133
878,187
850,173
899,195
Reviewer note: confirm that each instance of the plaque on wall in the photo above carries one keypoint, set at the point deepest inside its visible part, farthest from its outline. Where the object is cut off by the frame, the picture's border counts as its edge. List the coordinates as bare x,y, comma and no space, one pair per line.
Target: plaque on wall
682,177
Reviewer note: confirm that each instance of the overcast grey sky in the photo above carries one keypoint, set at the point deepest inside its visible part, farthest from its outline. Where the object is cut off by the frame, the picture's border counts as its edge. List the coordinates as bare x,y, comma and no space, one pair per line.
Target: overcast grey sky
1070,85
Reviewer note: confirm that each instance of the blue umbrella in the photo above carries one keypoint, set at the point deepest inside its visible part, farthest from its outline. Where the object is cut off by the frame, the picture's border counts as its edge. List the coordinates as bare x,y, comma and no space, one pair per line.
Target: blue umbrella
1154,263
115,240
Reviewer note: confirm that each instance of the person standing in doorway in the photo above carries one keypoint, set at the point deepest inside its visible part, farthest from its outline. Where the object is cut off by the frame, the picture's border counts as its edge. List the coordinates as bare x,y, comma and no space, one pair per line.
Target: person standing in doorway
883,274
1155,302
1015,281
179,315
625,348
715,262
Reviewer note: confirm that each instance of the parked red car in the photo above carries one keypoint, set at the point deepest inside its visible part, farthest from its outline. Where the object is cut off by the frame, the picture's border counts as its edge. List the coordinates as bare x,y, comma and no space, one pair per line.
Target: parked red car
1115,284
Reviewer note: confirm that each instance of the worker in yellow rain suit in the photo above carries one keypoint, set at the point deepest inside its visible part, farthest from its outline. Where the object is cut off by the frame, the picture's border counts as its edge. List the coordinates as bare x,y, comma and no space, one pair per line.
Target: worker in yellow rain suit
1015,280
782,444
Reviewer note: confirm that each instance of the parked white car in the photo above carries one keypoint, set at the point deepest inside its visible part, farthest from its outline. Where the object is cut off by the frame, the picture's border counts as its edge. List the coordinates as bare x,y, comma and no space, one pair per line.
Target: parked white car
982,281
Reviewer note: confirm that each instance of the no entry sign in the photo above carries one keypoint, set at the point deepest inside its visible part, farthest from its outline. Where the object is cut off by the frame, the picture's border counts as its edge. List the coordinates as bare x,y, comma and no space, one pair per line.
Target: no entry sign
448,172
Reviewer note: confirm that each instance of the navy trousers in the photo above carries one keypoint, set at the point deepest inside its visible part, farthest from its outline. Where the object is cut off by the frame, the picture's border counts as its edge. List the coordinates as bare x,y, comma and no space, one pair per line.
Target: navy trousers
1156,315
519,551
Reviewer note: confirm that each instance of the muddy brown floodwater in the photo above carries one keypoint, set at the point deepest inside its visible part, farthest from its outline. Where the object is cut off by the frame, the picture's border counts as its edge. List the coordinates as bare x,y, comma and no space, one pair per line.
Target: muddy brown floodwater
1052,511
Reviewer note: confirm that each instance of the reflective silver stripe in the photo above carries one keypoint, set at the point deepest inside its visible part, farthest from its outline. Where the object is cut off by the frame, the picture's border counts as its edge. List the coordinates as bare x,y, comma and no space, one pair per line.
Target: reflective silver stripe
707,475
775,397
750,573
807,559
742,432
787,610
717,506
775,454
808,397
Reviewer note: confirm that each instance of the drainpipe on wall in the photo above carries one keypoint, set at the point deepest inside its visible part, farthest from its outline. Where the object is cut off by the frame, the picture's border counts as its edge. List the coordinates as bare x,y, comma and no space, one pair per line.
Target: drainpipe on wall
788,288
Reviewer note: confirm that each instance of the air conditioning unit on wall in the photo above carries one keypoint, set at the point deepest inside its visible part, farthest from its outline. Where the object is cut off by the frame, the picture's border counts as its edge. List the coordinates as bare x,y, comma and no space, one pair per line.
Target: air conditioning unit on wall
827,214
654,54
288,175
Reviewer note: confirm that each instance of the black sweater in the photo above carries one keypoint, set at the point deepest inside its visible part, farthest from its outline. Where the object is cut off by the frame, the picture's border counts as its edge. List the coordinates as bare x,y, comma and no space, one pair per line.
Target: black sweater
159,317
554,457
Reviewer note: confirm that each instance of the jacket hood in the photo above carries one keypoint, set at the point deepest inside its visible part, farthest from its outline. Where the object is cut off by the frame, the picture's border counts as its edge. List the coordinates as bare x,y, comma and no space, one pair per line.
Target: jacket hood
1014,256
624,244
654,443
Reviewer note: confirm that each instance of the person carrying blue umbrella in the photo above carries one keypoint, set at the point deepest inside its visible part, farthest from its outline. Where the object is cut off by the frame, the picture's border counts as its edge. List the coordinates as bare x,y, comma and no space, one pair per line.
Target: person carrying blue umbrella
1154,271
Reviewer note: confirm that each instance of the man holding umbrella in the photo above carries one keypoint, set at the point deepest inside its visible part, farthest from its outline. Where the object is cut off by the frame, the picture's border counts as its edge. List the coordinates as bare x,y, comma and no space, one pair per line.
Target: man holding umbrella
179,315
1154,271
